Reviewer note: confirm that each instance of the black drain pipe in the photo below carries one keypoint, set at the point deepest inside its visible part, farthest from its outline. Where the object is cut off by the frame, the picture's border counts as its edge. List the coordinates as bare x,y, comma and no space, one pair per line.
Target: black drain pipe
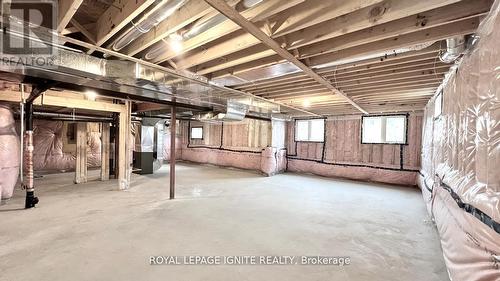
36,91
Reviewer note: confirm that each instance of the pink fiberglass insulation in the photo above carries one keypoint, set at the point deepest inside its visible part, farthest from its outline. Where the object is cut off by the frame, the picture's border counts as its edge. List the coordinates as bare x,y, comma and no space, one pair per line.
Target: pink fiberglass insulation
166,146
461,160
273,161
355,173
48,154
9,153
345,155
238,144
237,159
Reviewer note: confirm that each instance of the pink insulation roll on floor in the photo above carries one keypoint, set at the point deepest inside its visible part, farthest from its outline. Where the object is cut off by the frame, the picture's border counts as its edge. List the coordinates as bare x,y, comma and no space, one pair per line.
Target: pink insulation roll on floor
9,153
461,159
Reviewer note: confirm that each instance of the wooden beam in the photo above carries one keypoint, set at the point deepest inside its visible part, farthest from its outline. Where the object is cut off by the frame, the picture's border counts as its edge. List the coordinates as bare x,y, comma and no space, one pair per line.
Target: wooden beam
387,46
119,14
286,99
406,59
364,18
342,78
441,32
186,14
313,12
81,153
105,149
229,12
74,29
422,21
294,17
357,28
124,169
66,11
256,13
84,31
50,99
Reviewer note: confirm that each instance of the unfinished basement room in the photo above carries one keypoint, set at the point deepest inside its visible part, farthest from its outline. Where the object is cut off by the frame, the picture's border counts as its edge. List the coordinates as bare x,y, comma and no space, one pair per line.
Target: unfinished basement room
256,140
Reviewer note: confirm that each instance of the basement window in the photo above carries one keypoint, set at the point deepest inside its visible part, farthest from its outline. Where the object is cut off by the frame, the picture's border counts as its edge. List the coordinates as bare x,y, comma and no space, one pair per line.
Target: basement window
197,133
384,129
310,130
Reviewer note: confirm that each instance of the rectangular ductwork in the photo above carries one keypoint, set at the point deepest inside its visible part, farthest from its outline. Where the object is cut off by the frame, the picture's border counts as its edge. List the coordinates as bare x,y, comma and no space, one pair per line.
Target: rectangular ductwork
127,77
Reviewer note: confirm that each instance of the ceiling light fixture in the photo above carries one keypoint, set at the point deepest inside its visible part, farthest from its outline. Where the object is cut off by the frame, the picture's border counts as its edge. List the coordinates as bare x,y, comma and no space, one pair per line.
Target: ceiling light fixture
175,43
90,95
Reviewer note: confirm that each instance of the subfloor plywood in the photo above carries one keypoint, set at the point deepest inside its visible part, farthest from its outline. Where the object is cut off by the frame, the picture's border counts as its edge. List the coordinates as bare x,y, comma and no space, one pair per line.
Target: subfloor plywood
92,232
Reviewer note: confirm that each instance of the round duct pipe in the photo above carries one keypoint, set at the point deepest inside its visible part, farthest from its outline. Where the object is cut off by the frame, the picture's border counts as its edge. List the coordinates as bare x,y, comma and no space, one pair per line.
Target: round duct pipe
147,24
454,48
197,28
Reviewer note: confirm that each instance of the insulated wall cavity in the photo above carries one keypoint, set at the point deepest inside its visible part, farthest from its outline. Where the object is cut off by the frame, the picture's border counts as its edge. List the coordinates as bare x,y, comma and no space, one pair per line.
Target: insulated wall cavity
460,178
55,146
9,153
246,144
343,155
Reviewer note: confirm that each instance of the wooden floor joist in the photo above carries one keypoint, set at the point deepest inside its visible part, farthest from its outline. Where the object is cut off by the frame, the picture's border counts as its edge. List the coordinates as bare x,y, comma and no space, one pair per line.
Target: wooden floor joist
232,14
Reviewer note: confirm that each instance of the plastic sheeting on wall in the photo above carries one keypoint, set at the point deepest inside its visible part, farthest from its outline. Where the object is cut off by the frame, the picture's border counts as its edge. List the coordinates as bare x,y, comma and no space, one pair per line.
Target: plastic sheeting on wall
9,153
48,154
343,154
238,144
461,160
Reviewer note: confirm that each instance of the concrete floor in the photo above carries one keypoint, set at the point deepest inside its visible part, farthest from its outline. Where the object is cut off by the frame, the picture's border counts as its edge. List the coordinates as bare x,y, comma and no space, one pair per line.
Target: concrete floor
91,232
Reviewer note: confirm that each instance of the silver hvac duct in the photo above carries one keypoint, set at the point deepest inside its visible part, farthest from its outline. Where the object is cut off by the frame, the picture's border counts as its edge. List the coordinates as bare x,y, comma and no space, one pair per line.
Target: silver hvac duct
198,27
147,24
454,48
234,112
131,78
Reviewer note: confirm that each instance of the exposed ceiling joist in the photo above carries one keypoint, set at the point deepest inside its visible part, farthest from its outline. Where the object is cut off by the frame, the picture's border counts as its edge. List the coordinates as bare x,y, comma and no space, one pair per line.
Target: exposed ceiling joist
74,29
232,14
311,13
388,46
84,31
256,13
119,14
186,14
66,11
438,33
357,28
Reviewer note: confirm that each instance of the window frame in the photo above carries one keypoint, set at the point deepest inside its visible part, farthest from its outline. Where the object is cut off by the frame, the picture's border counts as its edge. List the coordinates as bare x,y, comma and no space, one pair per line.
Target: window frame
309,130
383,128
191,133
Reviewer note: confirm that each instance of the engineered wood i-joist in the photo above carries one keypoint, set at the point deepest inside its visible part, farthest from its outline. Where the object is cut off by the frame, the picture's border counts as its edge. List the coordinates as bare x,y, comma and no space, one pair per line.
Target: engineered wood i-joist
229,12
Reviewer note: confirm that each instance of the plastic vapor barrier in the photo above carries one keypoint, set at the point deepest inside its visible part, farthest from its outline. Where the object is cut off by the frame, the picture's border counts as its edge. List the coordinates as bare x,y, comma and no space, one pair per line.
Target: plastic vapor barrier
460,176
9,153
343,155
